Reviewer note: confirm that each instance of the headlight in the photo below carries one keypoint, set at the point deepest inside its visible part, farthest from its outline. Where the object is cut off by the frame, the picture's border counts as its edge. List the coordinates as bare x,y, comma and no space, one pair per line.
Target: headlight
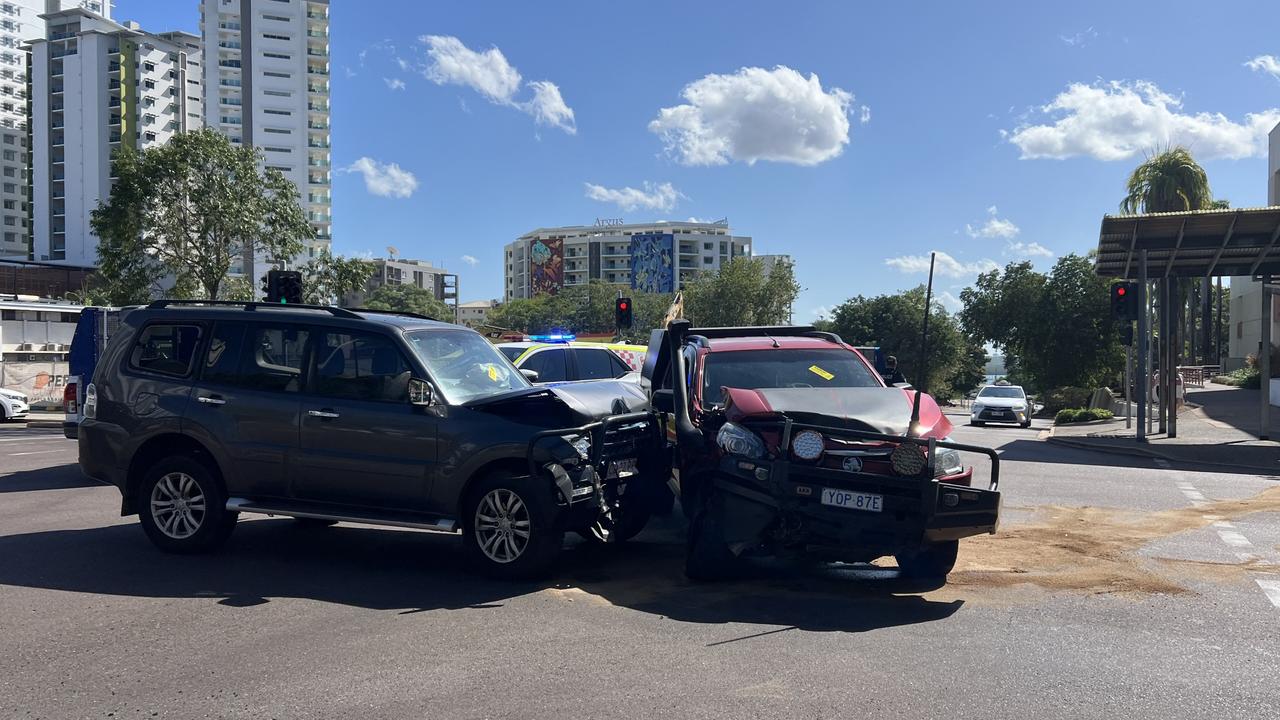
580,443
737,440
908,459
808,445
1019,408
947,462
977,408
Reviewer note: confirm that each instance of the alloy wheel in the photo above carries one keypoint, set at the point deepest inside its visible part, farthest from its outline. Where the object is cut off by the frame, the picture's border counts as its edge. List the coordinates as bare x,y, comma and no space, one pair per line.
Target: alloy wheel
502,526
178,505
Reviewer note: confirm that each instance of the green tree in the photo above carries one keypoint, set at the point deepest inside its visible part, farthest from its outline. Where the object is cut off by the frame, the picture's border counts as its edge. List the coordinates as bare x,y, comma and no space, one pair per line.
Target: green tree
409,298
1168,181
742,293
892,323
193,206
326,278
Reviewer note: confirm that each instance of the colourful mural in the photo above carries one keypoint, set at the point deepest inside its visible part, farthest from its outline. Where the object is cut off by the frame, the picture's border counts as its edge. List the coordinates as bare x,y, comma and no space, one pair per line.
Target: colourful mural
546,266
653,262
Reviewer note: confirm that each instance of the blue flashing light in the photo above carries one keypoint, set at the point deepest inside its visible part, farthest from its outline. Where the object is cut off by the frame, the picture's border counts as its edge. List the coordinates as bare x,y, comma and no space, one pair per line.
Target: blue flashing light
553,337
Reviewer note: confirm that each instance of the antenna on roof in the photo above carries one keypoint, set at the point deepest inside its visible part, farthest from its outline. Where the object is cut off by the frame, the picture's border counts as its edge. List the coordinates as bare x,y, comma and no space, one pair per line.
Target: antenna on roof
923,371
392,252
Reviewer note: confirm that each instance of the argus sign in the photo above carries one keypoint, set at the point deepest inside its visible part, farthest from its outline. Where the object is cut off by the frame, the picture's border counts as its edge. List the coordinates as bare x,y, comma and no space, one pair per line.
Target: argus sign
607,222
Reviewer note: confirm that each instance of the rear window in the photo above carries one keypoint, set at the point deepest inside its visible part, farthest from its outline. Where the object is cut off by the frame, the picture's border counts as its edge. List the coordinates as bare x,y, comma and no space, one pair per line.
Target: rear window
165,349
789,368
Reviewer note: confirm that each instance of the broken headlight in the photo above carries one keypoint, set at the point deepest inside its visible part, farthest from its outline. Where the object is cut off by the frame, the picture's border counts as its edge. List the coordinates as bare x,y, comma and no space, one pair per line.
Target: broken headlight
737,440
580,443
947,462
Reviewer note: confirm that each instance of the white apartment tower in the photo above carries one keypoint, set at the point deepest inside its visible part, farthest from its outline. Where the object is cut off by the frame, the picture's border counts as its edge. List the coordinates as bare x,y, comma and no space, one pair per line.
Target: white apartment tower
20,22
267,74
97,86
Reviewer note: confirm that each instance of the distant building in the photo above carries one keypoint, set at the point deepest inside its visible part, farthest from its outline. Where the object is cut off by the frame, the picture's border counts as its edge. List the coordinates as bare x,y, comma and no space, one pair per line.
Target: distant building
651,257
476,312
1246,293
419,273
770,261
34,330
97,86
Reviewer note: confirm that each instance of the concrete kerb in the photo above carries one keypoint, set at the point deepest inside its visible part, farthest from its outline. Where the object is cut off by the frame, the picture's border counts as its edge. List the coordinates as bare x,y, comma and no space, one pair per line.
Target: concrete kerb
1145,452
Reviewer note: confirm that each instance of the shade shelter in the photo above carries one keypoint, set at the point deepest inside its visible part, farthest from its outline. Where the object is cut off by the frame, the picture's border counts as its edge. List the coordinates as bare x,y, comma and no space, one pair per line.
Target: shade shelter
1159,248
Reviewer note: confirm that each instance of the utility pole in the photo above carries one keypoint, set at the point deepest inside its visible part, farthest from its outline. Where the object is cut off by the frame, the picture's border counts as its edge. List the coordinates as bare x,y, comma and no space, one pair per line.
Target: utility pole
1264,359
1144,355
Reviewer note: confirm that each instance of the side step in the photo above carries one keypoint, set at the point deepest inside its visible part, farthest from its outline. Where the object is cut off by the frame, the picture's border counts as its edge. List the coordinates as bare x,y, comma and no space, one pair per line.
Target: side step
416,521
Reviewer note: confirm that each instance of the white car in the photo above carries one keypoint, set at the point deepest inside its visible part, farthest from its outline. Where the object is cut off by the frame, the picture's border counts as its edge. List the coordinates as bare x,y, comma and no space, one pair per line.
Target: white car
1001,404
13,405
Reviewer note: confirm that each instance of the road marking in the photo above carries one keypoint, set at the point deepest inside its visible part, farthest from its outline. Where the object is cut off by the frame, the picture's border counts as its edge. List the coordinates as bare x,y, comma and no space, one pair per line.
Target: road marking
43,436
1222,524
33,452
1271,586
1185,486
1234,539
1194,495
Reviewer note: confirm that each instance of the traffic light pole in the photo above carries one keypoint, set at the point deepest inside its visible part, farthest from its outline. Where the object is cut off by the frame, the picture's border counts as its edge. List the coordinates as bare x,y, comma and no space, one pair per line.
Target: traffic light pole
1144,332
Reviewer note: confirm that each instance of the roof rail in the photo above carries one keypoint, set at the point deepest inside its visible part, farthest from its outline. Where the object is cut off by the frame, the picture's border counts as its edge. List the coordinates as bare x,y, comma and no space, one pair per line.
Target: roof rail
828,336
335,311
419,316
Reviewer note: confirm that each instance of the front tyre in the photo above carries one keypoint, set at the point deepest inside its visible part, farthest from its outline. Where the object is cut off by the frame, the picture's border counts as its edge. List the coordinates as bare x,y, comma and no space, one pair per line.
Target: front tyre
182,506
707,555
934,561
509,527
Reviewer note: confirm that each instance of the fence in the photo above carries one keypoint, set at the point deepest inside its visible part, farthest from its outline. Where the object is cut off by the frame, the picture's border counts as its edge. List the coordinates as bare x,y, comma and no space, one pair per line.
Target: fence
41,382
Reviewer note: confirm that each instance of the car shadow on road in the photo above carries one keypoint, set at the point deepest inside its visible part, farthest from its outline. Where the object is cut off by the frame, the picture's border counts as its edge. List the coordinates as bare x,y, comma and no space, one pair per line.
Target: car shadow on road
58,477
411,572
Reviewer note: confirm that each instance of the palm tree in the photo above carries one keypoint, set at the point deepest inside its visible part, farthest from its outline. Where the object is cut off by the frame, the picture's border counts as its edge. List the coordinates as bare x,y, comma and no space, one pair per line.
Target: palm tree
1168,181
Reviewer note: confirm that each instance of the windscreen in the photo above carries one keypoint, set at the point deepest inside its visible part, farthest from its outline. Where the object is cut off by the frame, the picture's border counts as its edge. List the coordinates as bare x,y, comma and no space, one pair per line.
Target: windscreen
789,368
1001,392
464,365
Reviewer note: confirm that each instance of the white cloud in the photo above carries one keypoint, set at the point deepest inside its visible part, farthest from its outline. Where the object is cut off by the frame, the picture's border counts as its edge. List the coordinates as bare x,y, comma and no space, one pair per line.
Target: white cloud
864,116
945,266
384,179
1027,250
1268,64
949,301
489,73
756,114
547,107
1079,39
394,83
404,64
1118,120
662,196
470,260
994,227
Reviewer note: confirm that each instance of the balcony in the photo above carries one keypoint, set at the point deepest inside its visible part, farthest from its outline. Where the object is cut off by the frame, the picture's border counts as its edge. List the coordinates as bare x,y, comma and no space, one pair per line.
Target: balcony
317,33
318,179
313,52
318,107
318,126
314,71
318,163
317,144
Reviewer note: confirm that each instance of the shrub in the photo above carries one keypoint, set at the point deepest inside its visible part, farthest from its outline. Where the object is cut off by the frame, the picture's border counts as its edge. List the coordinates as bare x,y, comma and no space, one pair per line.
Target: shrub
1251,363
1245,377
1065,397
1075,415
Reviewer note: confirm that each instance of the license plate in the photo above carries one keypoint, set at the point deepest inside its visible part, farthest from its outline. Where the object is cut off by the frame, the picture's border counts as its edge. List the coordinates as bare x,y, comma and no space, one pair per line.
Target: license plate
997,412
621,468
869,502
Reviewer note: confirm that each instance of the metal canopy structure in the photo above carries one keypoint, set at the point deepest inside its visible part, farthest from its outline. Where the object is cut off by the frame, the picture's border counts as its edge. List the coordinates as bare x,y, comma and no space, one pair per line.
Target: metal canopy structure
1202,243
1164,248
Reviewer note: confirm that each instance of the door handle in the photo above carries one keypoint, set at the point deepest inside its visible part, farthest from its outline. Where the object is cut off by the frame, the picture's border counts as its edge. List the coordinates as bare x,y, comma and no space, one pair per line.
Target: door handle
326,414
211,400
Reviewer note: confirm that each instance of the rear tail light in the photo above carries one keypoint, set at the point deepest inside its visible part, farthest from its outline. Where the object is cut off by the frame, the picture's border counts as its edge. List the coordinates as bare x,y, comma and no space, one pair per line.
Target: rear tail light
91,401
69,399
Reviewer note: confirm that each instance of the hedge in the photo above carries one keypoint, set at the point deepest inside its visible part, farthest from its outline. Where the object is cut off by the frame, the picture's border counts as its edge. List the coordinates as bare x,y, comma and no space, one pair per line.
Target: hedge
1075,415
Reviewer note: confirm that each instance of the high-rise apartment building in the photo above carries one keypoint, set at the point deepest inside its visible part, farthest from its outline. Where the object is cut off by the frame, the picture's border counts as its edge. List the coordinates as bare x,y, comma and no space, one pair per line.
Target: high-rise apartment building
267,75
95,86
21,22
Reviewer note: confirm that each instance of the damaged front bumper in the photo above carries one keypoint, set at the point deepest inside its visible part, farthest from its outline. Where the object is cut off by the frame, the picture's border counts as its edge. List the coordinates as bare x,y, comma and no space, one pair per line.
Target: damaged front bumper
791,504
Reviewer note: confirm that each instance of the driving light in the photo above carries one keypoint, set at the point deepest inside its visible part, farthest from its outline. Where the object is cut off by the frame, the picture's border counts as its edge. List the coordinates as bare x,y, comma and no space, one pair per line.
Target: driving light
737,440
808,445
908,459
580,443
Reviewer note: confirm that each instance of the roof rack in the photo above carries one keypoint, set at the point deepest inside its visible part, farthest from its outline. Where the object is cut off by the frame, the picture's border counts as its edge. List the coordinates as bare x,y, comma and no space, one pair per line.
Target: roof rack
404,313
335,311
702,336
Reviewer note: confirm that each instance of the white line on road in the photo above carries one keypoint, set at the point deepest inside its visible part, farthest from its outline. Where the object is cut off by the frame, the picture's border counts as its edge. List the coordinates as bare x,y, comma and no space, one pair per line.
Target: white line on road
1271,586
1234,539
33,452
44,436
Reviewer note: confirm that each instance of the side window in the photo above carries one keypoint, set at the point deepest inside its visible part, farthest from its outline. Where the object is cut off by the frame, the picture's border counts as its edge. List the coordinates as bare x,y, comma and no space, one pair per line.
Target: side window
273,358
166,349
595,364
357,366
222,361
549,364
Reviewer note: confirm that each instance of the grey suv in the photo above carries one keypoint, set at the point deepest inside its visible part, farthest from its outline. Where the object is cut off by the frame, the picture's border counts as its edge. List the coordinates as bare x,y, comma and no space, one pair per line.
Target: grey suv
201,411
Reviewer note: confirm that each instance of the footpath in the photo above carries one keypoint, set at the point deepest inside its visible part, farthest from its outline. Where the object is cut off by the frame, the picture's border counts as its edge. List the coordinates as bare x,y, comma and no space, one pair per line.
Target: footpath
1217,429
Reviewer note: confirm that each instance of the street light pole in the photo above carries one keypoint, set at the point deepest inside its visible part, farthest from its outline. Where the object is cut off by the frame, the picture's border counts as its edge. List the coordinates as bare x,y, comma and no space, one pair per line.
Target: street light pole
1144,359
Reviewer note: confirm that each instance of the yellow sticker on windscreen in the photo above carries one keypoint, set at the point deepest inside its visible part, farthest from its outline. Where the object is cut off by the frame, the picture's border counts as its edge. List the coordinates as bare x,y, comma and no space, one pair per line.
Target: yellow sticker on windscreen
820,372
493,373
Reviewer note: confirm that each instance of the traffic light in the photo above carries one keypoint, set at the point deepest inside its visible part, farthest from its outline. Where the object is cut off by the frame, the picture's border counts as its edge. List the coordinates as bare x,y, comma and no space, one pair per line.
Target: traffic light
1126,333
1124,301
284,287
622,312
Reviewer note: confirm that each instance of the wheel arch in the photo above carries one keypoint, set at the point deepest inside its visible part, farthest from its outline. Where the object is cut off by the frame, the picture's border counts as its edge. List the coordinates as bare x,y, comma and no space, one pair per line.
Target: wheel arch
156,448
514,466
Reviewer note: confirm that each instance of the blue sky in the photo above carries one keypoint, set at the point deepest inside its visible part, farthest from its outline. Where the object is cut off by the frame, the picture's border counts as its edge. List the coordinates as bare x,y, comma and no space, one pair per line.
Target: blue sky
991,132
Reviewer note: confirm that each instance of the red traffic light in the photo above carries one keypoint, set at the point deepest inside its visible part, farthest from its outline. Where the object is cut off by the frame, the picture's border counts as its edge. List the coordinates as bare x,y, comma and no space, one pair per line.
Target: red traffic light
622,306
1120,290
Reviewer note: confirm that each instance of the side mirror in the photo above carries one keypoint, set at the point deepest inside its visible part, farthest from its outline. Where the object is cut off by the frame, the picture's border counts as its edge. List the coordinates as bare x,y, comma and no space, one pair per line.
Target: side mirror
420,392
664,400
530,375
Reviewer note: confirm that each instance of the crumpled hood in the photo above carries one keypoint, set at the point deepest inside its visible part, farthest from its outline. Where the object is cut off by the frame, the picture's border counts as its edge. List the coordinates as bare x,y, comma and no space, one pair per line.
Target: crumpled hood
872,409
600,398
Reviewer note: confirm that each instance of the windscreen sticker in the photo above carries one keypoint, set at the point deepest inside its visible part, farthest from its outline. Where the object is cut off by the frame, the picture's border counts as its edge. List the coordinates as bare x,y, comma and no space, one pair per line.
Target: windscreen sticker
493,372
820,372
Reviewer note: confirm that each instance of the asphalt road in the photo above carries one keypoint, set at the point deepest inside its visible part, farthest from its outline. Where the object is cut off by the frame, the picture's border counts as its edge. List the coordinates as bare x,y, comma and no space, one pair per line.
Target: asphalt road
1107,593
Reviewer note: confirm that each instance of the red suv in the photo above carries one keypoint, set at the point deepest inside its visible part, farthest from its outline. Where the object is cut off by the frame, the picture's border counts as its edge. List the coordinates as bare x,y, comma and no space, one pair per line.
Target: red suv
788,442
